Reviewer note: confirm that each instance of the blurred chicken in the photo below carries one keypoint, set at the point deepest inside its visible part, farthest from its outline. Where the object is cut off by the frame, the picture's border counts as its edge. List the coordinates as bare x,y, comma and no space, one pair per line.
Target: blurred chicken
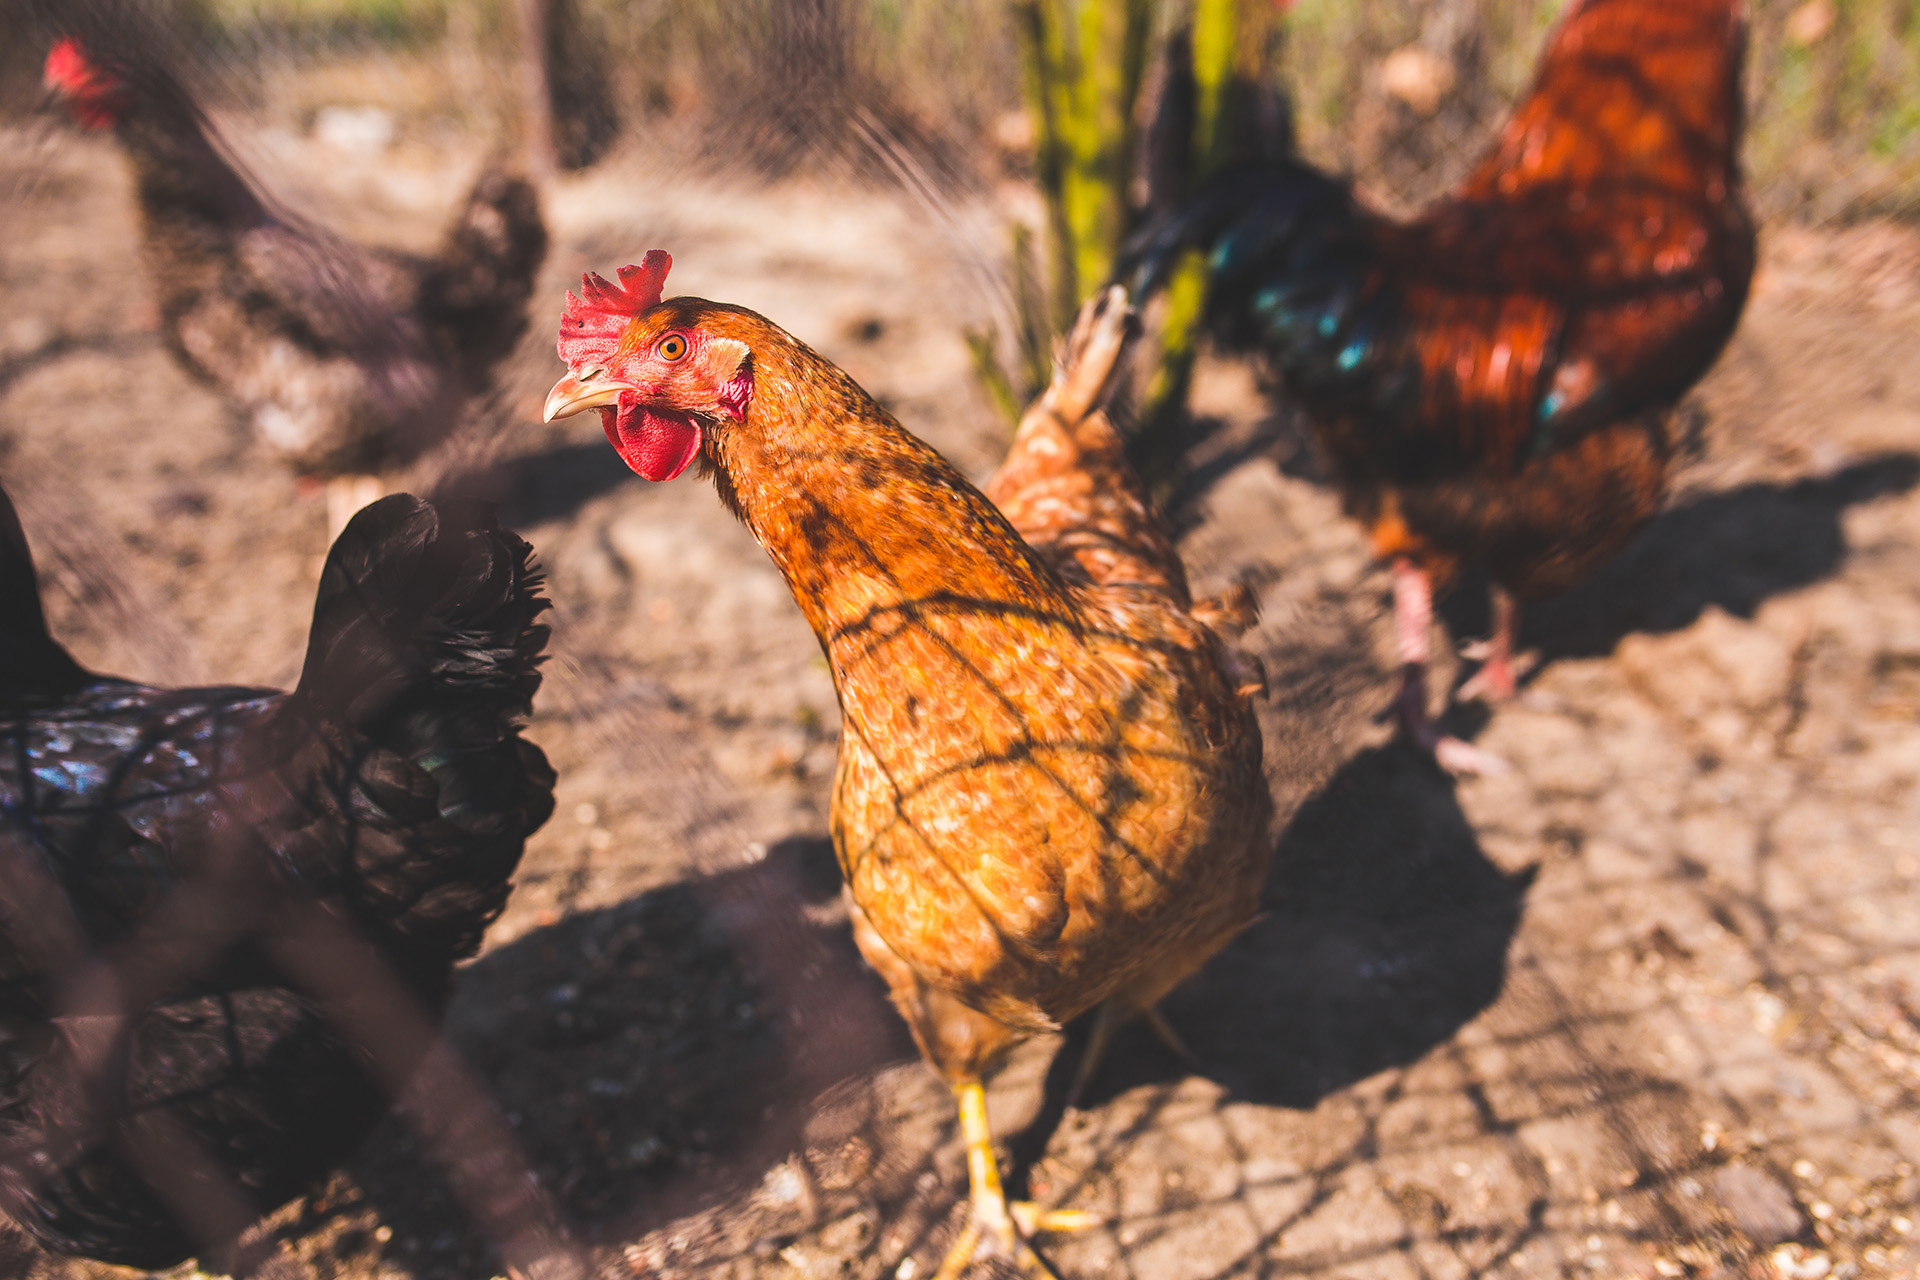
348,359
1492,381
183,838
1049,795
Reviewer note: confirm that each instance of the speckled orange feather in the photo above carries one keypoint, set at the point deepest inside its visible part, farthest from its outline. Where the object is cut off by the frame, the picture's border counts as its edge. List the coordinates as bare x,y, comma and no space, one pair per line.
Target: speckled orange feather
1048,791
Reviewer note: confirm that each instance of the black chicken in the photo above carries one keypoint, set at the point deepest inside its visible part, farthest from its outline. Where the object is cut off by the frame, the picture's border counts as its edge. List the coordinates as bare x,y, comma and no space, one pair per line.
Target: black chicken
348,359
166,853
1492,380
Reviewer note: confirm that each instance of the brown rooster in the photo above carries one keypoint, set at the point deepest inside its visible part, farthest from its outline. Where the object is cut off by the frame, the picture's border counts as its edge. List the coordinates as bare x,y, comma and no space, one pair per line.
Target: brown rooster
1492,381
1049,795
348,360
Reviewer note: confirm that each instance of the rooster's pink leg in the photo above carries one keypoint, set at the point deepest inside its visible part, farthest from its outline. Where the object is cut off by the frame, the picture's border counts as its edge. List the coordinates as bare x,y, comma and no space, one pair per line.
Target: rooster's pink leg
1496,680
1413,622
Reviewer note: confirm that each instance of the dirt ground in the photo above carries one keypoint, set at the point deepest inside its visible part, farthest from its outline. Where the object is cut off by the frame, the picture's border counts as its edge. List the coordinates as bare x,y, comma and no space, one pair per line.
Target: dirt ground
1649,1006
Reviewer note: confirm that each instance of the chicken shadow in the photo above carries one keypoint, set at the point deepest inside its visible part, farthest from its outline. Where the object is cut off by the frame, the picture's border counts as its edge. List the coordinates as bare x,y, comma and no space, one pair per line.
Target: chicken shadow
652,1057
1732,550
1384,930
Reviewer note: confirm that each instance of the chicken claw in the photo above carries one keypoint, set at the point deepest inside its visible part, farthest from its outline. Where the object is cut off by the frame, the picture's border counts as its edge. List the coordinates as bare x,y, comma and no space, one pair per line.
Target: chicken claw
999,1224
1498,678
1413,618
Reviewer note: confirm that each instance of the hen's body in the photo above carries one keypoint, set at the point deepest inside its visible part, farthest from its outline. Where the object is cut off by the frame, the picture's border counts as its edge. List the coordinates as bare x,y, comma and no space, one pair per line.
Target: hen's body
346,358
1049,792
183,836
1492,380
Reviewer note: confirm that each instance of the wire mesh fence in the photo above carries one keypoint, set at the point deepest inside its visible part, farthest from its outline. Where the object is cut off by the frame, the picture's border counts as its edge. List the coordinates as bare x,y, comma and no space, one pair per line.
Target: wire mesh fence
1651,1013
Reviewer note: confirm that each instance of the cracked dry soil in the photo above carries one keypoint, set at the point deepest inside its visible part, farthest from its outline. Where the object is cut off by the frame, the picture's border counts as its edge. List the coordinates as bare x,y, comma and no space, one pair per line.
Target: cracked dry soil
1649,1006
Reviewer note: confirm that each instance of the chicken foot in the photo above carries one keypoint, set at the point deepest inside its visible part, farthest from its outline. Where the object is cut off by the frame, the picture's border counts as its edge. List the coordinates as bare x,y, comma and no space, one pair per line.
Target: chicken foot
1413,620
1497,680
997,1223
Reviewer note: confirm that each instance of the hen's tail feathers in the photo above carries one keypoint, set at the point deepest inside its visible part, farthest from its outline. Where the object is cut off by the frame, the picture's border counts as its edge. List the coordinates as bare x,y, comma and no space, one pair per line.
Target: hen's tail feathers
31,660
1066,484
1088,360
421,668
475,292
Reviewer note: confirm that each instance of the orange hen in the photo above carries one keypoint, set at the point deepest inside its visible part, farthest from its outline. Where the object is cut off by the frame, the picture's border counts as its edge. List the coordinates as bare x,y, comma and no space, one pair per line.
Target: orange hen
1049,794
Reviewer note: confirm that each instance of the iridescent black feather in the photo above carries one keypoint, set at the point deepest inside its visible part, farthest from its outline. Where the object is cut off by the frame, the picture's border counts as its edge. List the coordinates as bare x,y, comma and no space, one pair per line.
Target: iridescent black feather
390,790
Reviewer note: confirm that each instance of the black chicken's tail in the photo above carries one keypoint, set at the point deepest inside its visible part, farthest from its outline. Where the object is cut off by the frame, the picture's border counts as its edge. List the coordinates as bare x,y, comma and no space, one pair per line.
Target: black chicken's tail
421,669
474,293
32,662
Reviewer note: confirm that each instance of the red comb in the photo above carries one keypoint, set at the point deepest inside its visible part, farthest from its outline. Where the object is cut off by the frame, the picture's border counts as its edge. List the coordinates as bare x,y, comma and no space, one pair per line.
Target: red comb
592,323
98,97
67,65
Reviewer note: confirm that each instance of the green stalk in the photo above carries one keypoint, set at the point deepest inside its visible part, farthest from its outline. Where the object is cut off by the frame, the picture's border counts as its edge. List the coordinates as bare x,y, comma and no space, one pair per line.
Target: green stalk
1219,29
1082,62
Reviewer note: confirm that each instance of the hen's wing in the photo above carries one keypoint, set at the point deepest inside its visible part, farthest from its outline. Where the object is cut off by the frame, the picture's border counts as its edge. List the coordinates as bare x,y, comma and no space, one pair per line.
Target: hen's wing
333,301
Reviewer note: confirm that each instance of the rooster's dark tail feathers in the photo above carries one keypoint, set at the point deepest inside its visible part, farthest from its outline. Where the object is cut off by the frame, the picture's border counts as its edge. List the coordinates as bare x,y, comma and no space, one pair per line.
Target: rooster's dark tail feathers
1241,214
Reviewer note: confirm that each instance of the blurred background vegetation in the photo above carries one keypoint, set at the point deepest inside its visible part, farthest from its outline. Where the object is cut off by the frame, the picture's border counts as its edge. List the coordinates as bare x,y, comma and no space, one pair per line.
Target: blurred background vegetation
1069,99
1399,92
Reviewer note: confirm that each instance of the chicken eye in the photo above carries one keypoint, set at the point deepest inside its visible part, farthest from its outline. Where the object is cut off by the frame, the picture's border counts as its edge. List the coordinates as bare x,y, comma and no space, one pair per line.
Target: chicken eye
671,347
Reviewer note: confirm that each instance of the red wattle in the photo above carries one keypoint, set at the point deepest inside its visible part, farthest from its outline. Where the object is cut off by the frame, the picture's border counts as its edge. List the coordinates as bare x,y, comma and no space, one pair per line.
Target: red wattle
657,445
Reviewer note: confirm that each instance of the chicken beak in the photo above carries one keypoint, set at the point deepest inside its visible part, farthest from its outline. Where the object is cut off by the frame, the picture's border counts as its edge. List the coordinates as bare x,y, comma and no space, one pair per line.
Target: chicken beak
576,392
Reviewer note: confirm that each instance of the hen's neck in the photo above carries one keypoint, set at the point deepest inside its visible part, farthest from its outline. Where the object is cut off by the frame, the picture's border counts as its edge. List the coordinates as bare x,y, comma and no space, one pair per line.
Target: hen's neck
862,517
181,173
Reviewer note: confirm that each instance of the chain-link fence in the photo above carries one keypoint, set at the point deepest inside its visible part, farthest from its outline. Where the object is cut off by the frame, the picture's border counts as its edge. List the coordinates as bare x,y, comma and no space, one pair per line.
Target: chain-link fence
1650,1012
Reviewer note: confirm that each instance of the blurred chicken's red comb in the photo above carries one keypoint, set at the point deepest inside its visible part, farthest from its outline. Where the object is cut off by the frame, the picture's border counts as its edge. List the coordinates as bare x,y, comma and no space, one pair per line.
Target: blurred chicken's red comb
97,97
592,323
68,66
66,62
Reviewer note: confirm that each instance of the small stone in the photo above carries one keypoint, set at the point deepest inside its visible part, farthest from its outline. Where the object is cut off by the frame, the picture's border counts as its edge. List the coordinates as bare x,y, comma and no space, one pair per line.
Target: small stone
1791,1262
1758,1205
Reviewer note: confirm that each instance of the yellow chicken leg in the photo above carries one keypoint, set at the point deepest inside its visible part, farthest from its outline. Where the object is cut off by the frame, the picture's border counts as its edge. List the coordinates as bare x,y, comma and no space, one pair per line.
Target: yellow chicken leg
999,1224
